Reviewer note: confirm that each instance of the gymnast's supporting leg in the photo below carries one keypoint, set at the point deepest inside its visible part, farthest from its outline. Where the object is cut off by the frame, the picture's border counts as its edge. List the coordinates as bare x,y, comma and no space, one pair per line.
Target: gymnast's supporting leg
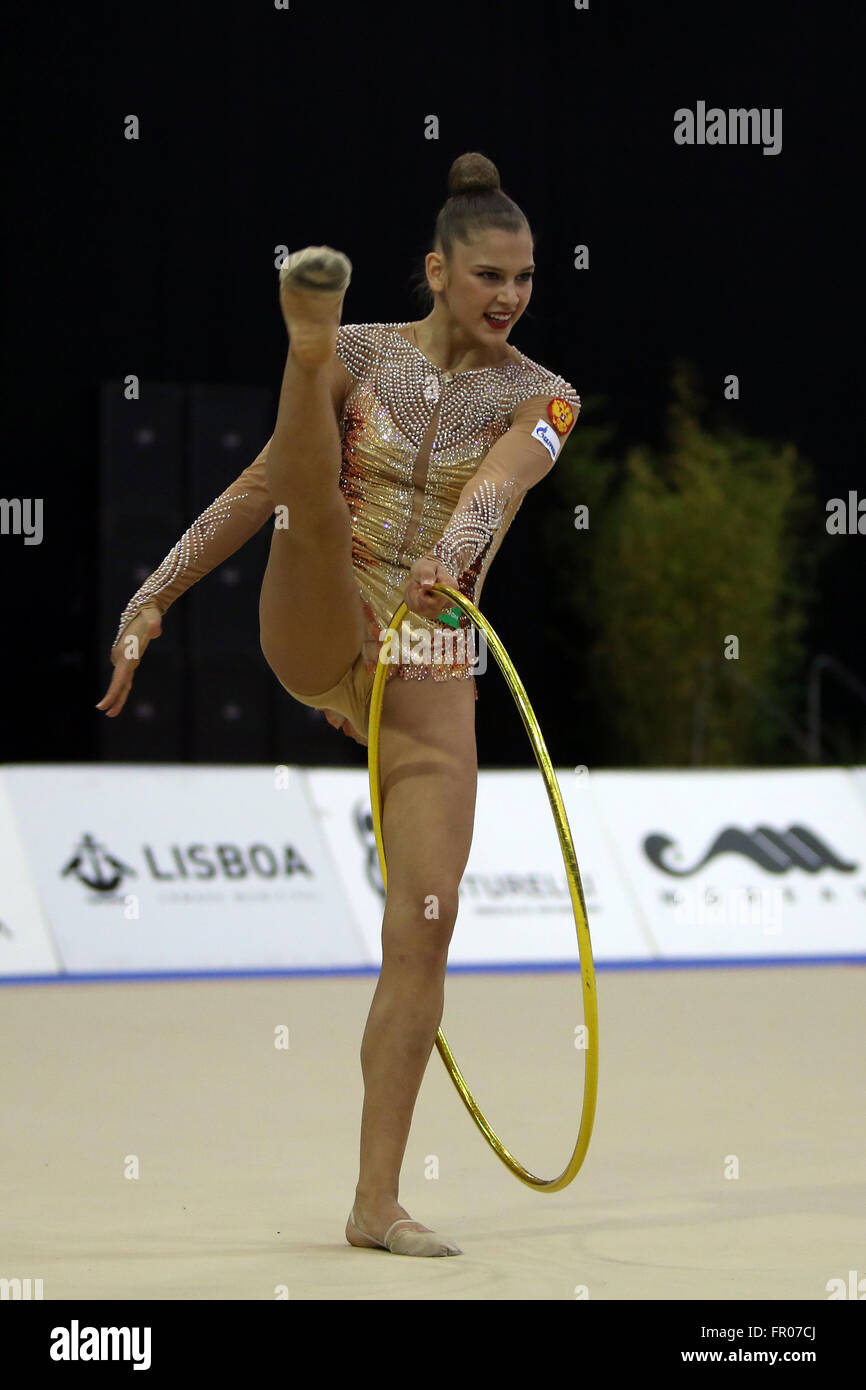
428,767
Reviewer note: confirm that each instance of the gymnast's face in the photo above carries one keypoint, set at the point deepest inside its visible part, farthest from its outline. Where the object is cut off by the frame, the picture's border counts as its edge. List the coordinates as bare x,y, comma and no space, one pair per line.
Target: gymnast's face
486,279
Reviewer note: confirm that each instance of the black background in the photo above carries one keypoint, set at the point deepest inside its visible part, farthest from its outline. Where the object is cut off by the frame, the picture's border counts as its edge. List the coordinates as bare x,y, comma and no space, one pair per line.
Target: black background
262,127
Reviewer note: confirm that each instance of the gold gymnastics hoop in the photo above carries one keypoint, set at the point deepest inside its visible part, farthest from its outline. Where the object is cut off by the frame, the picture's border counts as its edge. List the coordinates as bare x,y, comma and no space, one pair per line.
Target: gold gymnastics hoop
590,1083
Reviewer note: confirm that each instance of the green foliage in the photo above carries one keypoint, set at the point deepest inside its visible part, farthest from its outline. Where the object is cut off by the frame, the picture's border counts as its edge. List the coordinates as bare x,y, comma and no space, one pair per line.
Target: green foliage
684,551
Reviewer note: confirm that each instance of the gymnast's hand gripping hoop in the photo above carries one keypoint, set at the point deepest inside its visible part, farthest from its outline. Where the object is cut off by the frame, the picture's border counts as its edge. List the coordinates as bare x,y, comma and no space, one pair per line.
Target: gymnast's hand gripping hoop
590,1012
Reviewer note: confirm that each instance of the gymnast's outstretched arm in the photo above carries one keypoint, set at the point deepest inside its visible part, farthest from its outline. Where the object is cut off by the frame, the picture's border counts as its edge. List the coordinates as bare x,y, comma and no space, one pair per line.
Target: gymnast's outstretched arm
221,529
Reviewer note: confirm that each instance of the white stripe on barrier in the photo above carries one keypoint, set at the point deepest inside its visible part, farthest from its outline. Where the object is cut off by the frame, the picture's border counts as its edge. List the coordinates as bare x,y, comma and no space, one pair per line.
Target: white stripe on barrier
26,947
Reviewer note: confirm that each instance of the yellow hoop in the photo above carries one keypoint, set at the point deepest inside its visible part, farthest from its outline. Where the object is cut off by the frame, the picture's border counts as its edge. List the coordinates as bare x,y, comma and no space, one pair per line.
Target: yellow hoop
590,1083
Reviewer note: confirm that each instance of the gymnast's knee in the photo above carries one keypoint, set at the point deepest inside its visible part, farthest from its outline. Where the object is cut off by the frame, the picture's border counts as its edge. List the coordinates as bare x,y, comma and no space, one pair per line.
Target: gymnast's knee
418,926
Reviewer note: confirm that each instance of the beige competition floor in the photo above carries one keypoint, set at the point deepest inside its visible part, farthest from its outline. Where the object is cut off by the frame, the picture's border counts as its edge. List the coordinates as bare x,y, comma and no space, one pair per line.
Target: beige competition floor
247,1153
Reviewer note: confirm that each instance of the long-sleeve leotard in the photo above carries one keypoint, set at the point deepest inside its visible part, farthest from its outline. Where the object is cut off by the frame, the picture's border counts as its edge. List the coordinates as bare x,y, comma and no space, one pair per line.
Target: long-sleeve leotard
432,463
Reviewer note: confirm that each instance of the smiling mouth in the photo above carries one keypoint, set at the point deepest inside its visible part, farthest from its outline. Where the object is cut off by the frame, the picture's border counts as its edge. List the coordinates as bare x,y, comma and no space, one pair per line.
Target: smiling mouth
500,320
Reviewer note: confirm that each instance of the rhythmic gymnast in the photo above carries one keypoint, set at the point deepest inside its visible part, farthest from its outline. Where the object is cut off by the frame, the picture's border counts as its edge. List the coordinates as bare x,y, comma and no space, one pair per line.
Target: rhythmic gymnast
402,452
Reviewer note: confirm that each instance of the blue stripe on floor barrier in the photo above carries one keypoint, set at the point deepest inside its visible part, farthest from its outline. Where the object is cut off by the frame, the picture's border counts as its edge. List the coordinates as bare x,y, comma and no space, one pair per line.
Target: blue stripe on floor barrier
491,968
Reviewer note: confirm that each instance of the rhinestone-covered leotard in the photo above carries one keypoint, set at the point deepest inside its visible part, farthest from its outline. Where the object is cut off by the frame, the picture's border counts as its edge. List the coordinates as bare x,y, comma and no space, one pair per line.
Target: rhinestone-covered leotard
433,463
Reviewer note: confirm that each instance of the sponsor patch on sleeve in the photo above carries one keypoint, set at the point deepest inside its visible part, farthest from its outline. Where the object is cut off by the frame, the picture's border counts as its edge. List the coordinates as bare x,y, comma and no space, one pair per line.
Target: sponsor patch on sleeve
561,415
547,437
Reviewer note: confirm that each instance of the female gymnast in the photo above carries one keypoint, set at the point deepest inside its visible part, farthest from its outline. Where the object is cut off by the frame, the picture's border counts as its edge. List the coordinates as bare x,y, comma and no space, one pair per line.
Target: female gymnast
400,455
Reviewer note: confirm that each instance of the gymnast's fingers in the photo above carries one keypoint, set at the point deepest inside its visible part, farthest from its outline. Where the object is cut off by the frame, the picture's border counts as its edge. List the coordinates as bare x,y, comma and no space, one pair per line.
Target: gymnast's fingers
126,655
422,600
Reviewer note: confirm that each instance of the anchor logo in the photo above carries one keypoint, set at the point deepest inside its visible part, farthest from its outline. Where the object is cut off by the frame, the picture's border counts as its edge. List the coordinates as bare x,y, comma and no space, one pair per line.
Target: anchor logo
93,866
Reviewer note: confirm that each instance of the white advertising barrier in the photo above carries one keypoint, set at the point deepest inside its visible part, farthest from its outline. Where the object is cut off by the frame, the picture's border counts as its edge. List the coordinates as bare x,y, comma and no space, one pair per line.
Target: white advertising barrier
514,898
515,906
742,864
25,941
858,777
340,799
164,868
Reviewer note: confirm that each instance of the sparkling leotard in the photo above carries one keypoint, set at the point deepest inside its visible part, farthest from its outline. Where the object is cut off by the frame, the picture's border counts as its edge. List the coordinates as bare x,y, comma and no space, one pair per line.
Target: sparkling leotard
433,462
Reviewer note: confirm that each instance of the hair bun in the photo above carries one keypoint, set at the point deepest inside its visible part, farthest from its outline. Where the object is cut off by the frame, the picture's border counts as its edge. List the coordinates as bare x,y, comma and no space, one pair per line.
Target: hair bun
472,173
